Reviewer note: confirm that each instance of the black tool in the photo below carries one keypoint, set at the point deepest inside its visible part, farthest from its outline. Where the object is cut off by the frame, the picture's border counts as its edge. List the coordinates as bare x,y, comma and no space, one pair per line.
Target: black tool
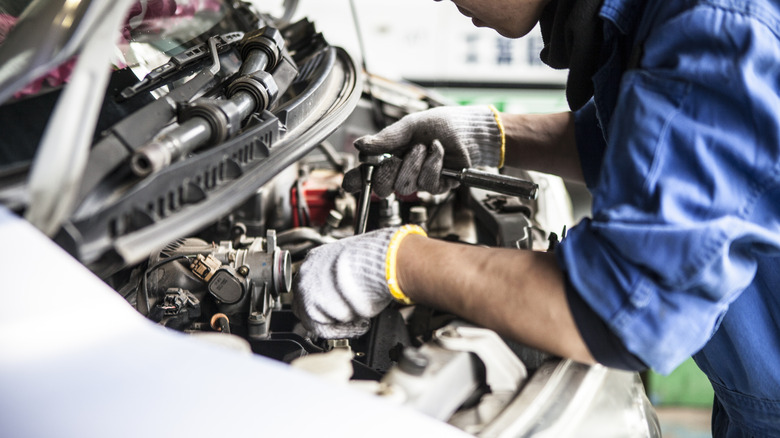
369,162
504,184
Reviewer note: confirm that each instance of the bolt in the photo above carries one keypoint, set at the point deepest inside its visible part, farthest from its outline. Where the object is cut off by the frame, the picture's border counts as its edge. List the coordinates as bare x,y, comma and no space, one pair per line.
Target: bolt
418,215
257,317
334,219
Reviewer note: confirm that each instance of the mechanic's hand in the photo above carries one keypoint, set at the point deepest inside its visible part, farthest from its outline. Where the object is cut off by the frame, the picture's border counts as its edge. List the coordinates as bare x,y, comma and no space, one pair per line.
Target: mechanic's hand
341,285
422,143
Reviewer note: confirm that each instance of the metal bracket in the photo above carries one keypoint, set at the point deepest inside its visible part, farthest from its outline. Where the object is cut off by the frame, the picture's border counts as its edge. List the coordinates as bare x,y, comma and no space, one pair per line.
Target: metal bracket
504,371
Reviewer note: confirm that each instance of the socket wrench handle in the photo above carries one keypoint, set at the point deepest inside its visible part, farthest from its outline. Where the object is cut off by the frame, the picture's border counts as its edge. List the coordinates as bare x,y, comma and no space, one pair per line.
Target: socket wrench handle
504,184
367,169
364,202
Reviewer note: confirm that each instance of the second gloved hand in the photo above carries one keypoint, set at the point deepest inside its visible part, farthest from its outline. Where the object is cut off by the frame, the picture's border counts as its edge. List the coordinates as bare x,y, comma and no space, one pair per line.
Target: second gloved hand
423,143
341,285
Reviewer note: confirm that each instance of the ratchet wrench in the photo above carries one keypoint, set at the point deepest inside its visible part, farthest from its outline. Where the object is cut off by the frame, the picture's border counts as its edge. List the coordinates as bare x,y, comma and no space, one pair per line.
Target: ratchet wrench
504,184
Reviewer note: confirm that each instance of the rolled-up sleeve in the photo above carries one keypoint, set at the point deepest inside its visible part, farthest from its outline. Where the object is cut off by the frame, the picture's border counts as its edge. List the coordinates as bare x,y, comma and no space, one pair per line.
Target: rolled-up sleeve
590,142
686,192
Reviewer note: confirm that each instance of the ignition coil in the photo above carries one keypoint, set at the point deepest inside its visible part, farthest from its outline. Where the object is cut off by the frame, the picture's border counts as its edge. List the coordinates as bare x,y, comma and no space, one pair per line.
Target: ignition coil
212,121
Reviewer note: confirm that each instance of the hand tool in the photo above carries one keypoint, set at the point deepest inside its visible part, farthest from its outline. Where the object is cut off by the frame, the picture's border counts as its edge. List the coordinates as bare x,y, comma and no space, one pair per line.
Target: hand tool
504,184
369,162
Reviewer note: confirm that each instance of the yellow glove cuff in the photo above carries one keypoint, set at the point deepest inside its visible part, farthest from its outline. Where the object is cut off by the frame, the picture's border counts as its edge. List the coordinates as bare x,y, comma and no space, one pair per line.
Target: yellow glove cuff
497,115
390,265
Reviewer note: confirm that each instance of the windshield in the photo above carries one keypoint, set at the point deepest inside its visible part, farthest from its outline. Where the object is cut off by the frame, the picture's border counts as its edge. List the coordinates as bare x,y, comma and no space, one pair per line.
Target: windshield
154,30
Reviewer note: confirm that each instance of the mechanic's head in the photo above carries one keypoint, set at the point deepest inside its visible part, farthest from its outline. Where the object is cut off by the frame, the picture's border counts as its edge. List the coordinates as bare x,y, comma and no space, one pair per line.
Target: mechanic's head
510,18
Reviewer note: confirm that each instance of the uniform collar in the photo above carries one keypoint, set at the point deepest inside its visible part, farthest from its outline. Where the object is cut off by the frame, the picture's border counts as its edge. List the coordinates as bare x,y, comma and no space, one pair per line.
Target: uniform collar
625,14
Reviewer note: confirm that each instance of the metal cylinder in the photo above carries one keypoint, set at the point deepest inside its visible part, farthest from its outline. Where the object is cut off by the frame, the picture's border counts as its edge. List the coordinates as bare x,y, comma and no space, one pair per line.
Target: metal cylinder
260,85
418,215
389,212
245,102
206,121
365,199
256,60
170,146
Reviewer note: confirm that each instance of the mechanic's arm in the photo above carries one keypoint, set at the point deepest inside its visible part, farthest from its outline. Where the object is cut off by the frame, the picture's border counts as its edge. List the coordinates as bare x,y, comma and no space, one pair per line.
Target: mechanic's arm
542,142
519,294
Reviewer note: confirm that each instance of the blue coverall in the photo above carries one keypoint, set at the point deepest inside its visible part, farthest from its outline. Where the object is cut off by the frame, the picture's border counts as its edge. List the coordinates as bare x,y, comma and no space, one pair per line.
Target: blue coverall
680,147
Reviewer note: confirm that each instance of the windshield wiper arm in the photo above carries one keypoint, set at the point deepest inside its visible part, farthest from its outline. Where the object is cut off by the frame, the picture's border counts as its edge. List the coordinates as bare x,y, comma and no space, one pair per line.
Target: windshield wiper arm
183,64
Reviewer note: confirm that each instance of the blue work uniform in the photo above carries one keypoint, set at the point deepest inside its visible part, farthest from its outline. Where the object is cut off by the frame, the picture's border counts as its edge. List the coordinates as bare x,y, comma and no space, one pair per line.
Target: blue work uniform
680,147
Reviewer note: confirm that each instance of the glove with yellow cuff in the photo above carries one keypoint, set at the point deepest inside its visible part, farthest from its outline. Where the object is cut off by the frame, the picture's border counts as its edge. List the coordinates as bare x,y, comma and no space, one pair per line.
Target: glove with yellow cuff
340,286
423,143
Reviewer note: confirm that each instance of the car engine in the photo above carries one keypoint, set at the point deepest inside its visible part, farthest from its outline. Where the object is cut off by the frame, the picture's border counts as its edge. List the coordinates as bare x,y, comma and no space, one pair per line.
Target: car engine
215,168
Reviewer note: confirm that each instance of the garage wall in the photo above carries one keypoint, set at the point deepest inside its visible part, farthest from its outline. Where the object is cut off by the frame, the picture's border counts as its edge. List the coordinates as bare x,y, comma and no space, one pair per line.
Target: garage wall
430,42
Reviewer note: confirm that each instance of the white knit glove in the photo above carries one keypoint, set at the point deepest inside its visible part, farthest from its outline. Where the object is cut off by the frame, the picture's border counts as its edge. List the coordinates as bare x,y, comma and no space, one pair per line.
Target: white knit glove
453,137
341,285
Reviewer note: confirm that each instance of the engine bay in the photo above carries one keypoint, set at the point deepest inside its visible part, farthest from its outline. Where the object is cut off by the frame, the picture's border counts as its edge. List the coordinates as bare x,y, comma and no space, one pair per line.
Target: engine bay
212,174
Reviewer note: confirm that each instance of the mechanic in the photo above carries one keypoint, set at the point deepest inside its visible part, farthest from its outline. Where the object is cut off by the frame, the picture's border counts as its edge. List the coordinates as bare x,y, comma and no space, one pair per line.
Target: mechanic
674,128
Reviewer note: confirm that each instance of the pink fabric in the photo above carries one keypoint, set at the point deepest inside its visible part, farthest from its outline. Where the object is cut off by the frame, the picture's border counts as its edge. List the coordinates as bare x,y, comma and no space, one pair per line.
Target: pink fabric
6,23
155,9
55,78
